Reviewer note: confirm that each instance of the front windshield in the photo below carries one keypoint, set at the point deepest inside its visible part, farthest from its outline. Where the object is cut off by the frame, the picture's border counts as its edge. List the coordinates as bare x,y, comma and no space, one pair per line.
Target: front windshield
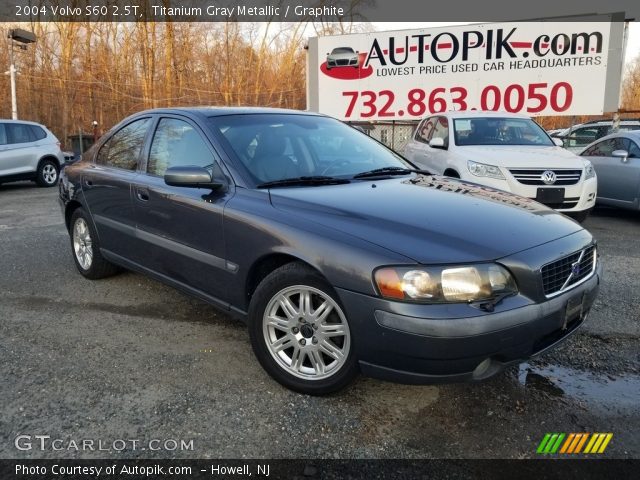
342,50
499,131
275,147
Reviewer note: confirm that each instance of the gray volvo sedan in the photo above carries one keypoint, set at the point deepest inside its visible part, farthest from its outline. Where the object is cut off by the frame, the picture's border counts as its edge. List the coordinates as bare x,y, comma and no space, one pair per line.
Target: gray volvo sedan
339,254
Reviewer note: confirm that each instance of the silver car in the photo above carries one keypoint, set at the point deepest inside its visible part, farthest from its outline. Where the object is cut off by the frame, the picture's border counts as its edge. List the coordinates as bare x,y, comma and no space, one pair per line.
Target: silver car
29,151
616,159
342,57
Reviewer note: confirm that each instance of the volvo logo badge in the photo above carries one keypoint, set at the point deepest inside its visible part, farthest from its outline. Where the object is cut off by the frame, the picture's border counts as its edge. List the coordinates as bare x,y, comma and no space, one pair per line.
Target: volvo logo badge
575,269
548,177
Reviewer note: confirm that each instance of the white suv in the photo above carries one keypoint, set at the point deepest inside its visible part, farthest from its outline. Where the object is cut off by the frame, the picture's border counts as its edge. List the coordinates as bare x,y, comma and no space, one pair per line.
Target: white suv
506,151
29,151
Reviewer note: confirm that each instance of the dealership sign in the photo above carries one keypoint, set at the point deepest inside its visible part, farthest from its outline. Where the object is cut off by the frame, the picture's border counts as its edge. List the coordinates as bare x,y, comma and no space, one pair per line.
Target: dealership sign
535,68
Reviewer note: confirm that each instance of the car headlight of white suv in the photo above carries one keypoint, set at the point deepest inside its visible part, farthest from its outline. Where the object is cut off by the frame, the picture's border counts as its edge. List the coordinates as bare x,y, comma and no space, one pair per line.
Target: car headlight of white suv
484,170
589,171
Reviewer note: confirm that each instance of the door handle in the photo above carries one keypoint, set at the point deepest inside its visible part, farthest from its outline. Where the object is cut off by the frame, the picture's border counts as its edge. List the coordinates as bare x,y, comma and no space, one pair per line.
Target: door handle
88,182
142,195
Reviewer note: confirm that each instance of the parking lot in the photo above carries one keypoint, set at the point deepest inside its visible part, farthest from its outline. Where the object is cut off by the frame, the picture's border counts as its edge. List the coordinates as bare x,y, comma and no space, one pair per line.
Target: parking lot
128,358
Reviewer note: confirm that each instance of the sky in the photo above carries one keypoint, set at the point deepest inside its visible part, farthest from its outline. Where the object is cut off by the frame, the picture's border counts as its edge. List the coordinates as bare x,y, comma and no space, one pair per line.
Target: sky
633,39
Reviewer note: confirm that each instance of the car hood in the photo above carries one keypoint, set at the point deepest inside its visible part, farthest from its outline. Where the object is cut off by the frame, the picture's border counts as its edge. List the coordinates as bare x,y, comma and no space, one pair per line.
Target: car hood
429,219
521,156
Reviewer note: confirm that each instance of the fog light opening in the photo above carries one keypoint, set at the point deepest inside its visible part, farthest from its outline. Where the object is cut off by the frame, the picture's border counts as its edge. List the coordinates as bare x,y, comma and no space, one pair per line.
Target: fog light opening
482,368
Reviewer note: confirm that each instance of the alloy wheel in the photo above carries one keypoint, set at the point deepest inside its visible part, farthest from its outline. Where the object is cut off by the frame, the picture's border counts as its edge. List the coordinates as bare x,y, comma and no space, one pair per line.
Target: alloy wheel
306,332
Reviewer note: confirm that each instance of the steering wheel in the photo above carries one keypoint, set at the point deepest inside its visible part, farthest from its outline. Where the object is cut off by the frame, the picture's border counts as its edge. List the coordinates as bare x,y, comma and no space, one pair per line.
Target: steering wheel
335,165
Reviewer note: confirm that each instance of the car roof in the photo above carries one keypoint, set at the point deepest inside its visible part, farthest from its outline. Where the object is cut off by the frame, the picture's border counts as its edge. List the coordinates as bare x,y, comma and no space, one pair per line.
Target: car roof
481,114
9,120
607,122
211,111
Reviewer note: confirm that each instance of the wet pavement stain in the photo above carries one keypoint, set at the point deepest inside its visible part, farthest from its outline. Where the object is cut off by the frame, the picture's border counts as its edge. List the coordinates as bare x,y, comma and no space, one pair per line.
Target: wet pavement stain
622,391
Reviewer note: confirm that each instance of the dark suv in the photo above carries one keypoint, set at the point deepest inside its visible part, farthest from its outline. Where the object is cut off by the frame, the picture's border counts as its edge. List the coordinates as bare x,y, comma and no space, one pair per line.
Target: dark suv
337,252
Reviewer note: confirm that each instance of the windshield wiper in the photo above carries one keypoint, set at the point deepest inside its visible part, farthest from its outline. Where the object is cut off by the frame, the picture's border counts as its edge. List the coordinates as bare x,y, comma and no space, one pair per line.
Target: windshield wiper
381,172
310,180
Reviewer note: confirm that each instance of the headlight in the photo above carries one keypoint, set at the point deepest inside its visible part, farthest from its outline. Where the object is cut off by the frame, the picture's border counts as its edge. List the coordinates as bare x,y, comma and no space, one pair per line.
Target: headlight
589,171
469,283
484,170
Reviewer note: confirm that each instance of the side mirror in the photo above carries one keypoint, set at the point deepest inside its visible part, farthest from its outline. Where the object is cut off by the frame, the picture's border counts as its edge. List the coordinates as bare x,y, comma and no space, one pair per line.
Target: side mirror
194,177
558,141
621,154
437,142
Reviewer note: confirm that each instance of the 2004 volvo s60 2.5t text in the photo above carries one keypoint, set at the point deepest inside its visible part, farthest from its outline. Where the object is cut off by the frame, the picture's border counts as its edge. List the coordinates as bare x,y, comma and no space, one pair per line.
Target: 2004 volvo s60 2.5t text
338,253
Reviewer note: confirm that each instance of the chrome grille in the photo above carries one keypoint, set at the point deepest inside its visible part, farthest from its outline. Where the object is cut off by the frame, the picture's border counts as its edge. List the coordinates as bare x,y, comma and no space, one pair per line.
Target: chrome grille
562,274
534,176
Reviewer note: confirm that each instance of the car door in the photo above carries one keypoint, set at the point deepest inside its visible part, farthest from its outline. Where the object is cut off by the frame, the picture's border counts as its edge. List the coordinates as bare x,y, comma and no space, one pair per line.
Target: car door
19,150
417,151
107,186
4,156
618,178
182,228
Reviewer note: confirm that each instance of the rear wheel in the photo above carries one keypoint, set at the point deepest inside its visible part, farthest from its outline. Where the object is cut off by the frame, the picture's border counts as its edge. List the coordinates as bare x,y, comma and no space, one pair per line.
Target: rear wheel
48,172
299,331
86,248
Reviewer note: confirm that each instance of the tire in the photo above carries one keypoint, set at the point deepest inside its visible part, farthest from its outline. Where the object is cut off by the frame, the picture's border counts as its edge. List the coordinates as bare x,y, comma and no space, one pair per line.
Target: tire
311,353
48,173
85,248
451,174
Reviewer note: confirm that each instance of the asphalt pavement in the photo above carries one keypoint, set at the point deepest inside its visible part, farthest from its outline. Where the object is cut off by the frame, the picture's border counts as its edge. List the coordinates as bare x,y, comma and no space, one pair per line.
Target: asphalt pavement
127,358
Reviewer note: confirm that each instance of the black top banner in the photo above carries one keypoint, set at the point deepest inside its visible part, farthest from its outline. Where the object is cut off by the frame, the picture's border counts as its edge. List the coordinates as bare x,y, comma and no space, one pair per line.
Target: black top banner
305,11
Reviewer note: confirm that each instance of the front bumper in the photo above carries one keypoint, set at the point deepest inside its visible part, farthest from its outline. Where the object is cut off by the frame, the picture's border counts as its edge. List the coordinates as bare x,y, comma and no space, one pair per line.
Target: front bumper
578,197
418,344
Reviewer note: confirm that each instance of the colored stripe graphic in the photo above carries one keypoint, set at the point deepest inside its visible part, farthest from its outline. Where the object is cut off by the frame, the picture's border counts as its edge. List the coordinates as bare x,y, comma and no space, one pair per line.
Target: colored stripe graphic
582,442
568,442
572,443
593,439
605,442
543,443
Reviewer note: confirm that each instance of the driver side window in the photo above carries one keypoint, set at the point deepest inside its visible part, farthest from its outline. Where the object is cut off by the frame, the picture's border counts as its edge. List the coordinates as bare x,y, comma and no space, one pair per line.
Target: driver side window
177,143
425,129
607,147
441,130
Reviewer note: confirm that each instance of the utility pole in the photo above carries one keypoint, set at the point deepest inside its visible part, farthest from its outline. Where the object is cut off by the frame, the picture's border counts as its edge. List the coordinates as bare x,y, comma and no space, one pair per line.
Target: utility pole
12,74
25,37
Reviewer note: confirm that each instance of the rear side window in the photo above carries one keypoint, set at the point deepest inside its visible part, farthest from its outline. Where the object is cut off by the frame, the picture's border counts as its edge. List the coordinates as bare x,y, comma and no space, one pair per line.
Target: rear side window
122,150
19,133
3,134
37,132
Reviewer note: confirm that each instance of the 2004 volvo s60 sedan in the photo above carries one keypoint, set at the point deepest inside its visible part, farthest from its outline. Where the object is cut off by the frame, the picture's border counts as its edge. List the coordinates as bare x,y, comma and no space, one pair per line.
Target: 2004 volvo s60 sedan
340,256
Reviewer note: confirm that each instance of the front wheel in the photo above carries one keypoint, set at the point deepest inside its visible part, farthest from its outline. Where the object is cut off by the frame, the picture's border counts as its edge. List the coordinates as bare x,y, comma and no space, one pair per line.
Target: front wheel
300,333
